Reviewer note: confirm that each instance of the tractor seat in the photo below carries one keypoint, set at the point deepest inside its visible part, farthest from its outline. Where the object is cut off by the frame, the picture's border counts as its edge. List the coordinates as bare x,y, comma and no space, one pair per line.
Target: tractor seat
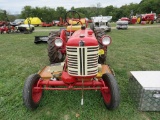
75,26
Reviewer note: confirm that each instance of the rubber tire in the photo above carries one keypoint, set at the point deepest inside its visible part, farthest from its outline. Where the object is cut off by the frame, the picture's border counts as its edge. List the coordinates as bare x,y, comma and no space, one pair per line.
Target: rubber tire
158,20
99,34
111,83
27,92
55,56
92,26
151,22
109,27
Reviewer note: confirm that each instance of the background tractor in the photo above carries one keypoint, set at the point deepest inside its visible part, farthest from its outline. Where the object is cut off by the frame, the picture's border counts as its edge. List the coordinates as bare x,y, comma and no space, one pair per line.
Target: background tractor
148,18
131,19
5,25
78,62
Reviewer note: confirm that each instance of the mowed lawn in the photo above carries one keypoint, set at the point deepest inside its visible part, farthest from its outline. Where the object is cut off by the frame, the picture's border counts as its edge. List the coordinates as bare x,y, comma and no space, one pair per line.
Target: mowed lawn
136,49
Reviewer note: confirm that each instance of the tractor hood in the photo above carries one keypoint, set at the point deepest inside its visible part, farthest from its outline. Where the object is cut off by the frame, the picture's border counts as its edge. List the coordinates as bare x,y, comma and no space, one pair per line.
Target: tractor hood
83,38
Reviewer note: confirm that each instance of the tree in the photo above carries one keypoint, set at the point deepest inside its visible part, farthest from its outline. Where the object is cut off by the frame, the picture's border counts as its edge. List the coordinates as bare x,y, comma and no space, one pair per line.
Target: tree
146,6
60,12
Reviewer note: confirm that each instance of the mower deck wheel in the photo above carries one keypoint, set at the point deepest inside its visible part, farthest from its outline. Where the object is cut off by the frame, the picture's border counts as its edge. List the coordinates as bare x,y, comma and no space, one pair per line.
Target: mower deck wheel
111,96
31,96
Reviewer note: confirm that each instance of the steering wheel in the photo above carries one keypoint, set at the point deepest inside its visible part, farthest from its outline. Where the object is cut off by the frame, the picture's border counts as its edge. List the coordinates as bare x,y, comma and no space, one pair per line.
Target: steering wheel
74,16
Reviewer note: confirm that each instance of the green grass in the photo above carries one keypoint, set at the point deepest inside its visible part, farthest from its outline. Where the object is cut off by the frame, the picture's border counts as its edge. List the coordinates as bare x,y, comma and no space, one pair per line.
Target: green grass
132,49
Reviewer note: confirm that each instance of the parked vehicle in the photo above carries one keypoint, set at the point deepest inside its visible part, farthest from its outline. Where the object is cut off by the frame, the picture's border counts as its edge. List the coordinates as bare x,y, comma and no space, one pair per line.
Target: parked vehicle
78,62
101,22
122,24
17,22
47,24
148,18
25,28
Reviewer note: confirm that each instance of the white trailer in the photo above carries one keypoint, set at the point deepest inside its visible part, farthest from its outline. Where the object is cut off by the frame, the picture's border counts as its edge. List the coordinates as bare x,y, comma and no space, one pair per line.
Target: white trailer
101,22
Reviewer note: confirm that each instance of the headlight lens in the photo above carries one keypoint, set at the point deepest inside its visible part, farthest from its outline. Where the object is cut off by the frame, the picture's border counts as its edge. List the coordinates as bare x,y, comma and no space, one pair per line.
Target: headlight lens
106,40
58,42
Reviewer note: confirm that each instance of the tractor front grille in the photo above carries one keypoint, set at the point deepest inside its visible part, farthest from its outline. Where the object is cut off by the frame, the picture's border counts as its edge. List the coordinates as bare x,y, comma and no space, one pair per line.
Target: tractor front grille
82,61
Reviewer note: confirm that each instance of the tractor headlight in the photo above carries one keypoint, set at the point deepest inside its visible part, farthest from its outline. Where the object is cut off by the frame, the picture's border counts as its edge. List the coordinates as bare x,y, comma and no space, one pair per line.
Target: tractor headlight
58,42
106,40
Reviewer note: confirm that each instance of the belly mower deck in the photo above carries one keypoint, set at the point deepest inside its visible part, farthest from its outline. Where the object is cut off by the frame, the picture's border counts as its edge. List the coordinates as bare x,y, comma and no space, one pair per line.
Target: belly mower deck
48,71
51,79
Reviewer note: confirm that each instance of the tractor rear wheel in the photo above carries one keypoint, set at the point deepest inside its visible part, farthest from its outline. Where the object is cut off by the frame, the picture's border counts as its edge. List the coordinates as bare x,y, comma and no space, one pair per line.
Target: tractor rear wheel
151,22
99,33
55,56
31,96
111,96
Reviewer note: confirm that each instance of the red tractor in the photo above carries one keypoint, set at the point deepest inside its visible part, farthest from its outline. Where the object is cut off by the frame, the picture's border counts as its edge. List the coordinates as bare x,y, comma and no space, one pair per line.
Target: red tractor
47,24
6,29
148,18
5,25
132,20
78,62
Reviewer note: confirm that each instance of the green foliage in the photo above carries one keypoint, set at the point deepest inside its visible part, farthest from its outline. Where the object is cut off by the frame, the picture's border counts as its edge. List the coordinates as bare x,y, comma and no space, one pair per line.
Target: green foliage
3,15
146,6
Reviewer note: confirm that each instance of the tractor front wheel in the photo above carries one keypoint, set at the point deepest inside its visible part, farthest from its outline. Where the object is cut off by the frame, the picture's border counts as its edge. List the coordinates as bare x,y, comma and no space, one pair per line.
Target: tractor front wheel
111,96
31,96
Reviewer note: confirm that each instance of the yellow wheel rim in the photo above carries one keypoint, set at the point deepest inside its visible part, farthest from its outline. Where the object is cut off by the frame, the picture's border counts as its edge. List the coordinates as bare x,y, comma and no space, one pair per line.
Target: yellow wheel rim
138,20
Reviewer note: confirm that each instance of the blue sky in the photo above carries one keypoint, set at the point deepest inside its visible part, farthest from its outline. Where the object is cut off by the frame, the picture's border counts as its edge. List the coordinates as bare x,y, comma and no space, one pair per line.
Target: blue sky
15,6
